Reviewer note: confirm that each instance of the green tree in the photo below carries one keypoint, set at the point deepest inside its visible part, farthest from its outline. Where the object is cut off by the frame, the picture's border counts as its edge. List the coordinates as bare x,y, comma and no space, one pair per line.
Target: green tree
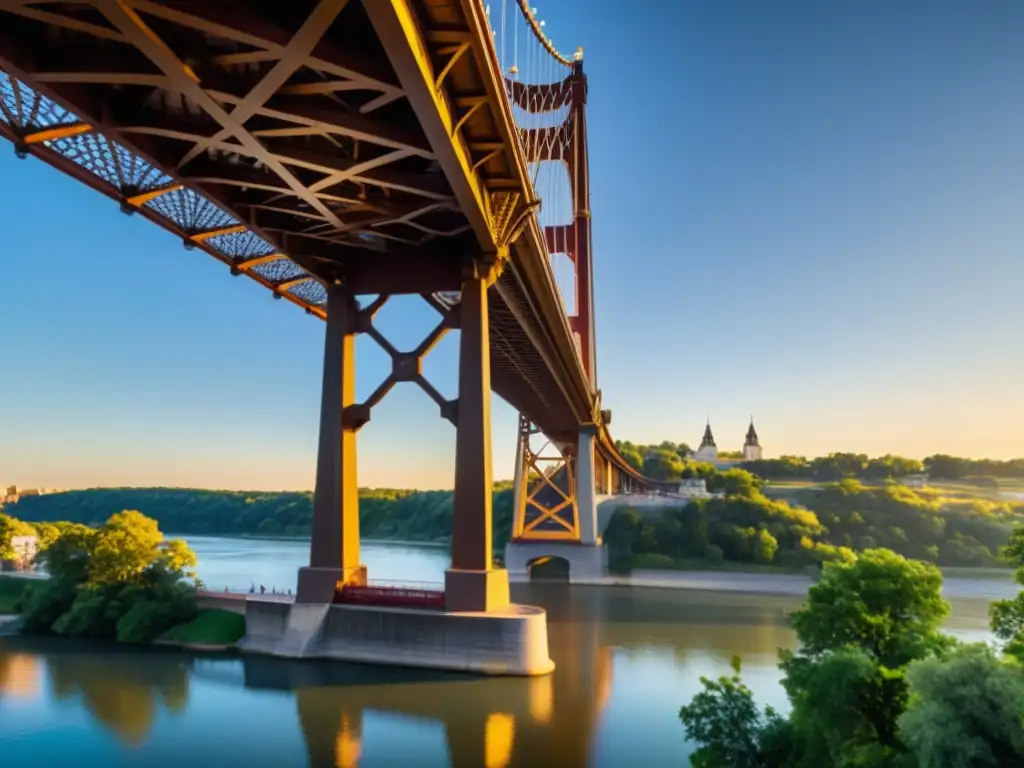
127,544
47,533
860,627
765,546
177,557
1008,615
9,528
965,711
67,558
886,605
121,581
726,724
862,623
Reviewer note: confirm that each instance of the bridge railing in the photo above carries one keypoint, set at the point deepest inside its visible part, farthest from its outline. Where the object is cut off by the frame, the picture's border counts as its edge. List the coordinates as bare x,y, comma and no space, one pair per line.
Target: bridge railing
396,594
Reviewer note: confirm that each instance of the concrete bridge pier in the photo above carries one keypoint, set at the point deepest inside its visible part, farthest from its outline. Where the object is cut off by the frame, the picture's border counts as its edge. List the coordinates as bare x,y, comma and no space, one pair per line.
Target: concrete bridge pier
334,543
479,630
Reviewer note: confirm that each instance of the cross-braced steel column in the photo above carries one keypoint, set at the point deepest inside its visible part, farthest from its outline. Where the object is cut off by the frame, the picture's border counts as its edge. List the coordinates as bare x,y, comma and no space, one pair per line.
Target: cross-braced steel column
334,545
472,584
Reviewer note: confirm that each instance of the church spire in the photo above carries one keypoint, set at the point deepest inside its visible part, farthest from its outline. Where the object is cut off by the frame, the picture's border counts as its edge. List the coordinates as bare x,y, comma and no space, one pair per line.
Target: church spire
752,434
709,440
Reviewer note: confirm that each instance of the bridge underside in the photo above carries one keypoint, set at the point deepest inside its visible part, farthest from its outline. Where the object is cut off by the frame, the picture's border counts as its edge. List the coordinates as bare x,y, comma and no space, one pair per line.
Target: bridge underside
277,138
328,150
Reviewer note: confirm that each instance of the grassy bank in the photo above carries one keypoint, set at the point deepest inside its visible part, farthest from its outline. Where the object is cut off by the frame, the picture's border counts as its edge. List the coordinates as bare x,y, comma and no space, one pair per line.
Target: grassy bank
210,628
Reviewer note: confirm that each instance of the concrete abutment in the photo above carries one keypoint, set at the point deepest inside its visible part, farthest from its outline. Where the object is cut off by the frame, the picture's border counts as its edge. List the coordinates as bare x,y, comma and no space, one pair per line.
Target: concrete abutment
513,641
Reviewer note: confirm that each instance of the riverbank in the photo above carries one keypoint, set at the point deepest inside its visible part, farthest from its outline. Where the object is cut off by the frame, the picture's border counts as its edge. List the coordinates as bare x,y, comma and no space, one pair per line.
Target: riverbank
213,629
368,540
793,585
435,543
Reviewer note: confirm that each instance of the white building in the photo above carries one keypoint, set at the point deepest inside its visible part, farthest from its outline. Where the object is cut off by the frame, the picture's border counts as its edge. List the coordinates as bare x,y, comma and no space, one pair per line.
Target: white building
708,451
693,488
919,480
751,446
25,549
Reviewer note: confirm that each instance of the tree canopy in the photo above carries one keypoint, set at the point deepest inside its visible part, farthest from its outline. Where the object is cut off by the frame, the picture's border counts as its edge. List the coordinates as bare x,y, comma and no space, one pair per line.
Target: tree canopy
122,581
874,683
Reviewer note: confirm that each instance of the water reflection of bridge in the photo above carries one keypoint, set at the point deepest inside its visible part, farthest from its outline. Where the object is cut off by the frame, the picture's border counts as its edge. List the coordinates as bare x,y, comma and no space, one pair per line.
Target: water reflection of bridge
550,720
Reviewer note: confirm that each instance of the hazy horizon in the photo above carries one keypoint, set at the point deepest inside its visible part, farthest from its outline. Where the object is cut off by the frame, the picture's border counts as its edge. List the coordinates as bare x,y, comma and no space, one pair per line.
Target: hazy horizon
821,226
363,486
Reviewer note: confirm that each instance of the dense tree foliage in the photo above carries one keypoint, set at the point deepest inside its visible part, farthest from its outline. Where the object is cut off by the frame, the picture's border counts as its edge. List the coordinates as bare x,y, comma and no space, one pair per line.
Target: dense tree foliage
965,711
727,725
743,527
666,461
1008,615
383,513
824,523
9,528
874,683
121,581
836,466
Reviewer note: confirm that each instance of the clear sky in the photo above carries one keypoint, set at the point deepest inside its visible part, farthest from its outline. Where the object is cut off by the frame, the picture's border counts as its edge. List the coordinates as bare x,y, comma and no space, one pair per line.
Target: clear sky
810,211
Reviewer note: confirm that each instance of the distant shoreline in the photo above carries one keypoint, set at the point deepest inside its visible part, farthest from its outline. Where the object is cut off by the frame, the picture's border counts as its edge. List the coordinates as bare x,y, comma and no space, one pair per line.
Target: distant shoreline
282,537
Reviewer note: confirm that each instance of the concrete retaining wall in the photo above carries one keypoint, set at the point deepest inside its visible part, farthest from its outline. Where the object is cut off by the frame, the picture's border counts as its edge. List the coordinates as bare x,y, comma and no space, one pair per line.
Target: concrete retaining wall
510,642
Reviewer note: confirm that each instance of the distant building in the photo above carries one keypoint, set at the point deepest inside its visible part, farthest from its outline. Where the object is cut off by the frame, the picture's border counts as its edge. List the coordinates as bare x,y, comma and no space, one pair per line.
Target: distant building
13,493
751,446
25,549
919,480
693,488
708,451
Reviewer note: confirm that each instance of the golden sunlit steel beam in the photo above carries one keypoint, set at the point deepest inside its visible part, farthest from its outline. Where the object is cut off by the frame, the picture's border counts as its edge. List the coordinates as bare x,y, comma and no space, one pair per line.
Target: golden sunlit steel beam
57,132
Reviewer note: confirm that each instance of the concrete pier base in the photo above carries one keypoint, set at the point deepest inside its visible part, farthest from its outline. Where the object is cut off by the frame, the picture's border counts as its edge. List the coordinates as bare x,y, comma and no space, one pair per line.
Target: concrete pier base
587,563
513,641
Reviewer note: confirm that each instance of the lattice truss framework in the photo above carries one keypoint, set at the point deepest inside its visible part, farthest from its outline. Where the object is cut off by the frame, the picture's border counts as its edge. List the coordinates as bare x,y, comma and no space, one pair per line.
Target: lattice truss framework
548,509
283,154
316,157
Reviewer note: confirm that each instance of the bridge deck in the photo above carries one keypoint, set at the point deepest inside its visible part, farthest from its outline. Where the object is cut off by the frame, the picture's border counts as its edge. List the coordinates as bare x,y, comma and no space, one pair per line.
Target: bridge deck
305,143
277,138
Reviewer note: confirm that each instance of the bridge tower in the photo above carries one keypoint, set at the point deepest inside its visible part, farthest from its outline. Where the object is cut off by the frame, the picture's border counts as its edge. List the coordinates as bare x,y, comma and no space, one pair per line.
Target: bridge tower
560,479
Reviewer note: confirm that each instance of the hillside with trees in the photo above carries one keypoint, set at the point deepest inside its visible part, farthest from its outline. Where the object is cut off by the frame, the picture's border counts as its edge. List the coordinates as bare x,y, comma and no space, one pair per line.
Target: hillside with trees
402,515
861,508
829,523
667,461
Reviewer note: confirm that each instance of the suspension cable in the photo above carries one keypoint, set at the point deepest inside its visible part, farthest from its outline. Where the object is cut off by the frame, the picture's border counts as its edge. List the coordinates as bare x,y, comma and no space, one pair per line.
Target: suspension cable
544,40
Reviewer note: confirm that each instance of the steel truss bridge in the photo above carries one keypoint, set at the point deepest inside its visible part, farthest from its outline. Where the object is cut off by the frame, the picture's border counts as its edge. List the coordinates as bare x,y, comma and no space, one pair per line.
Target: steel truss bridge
340,153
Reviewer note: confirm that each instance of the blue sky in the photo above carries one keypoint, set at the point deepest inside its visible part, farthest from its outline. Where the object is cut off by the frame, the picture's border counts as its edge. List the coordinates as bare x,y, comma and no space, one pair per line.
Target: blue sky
808,211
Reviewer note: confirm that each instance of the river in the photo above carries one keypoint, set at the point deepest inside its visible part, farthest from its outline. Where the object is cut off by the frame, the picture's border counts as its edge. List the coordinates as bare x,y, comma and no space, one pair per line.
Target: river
627,658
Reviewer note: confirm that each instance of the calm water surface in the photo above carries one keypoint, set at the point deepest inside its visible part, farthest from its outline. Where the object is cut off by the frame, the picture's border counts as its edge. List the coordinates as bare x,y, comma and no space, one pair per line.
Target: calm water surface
626,660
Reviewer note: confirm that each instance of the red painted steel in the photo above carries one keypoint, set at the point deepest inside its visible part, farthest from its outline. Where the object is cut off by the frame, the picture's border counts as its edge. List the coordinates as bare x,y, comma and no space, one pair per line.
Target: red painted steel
392,597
